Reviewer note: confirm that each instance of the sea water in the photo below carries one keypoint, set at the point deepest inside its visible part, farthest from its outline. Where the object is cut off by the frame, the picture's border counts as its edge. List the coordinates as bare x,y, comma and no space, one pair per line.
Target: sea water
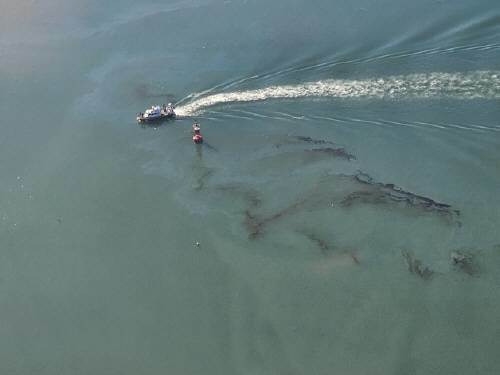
341,218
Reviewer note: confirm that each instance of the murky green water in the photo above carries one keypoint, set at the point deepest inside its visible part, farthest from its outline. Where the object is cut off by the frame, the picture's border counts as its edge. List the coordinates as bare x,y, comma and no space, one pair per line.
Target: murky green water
345,201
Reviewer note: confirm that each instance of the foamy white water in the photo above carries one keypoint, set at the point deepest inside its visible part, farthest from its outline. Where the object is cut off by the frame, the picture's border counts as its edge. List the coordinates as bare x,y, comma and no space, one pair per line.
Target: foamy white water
470,85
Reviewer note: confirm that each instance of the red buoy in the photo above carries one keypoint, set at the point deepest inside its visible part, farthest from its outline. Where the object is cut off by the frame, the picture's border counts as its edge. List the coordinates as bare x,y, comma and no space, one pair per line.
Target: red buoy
197,138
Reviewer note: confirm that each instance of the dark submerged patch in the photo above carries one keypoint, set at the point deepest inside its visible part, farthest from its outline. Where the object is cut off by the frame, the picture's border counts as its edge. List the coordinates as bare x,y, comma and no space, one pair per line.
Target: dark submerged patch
312,141
416,267
202,179
380,193
464,261
320,243
256,224
334,152
298,139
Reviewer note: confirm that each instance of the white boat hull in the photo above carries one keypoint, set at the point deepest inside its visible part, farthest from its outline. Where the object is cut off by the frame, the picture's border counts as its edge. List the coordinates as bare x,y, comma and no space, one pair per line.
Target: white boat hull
161,116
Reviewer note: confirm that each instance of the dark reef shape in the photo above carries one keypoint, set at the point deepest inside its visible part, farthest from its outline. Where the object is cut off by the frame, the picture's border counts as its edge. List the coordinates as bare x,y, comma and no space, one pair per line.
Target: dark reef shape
202,179
252,198
416,267
322,244
312,141
334,152
332,251
253,225
312,155
324,148
464,261
298,139
256,224
380,193
249,195
366,190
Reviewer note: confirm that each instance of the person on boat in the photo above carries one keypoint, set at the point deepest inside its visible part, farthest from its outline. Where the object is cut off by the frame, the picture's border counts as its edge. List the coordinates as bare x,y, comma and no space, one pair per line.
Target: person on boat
169,108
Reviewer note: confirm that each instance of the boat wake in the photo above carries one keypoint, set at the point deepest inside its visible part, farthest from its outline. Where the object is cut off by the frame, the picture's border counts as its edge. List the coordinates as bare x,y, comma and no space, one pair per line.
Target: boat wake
471,85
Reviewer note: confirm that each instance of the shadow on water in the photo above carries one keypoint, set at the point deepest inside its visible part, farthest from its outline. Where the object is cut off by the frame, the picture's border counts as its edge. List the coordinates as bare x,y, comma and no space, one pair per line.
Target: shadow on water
199,151
155,124
209,146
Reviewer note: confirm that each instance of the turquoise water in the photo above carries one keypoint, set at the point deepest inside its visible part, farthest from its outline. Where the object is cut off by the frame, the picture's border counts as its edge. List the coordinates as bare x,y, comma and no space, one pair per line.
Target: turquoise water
345,201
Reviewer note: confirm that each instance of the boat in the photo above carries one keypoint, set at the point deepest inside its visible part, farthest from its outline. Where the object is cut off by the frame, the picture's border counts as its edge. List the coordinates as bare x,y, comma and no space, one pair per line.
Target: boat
156,113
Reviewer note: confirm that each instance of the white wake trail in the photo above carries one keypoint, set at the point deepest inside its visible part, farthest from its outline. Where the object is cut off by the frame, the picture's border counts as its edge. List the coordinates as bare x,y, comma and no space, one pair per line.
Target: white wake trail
471,85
